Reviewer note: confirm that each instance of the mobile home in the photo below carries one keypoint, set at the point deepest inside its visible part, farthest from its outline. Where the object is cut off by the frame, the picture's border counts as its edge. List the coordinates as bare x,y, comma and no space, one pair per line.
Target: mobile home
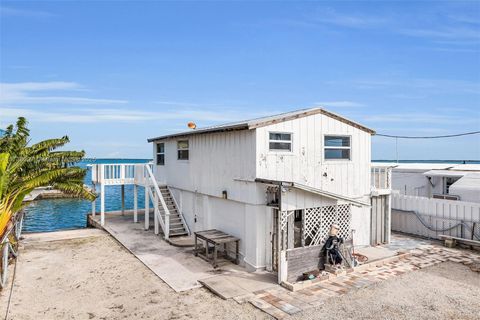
438,180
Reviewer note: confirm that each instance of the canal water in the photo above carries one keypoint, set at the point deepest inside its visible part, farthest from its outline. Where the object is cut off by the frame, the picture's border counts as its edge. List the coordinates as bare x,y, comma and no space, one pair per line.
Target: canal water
64,214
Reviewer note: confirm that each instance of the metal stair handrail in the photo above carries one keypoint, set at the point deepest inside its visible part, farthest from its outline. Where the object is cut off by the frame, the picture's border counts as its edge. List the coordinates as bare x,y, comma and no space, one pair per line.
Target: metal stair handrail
180,214
152,181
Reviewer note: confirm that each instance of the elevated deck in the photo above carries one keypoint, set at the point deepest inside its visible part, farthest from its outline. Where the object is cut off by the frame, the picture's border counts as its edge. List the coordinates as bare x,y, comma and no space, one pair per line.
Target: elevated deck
166,213
381,179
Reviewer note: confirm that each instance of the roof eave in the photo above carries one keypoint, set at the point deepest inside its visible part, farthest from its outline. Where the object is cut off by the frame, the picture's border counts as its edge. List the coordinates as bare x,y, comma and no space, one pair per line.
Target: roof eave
309,112
253,124
320,192
242,126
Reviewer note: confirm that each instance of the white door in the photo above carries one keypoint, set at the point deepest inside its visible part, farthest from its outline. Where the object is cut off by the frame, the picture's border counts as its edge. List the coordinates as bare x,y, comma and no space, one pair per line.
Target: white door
199,214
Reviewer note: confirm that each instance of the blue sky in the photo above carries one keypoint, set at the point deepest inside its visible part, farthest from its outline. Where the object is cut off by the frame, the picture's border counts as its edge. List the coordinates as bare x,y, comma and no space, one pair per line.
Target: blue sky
111,74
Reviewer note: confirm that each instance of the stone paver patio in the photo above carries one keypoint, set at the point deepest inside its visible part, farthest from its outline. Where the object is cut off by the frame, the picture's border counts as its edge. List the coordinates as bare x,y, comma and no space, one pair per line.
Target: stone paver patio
280,302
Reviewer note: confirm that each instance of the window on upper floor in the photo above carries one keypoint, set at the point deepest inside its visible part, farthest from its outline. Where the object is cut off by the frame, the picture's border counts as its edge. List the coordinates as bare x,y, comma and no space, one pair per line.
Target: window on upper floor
160,154
182,150
280,141
337,148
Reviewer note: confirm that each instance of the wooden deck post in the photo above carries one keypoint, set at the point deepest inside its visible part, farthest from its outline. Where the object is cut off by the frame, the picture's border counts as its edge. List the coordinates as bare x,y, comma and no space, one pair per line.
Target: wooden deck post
123,199
93,202
135,203
155,214
102,204
147,208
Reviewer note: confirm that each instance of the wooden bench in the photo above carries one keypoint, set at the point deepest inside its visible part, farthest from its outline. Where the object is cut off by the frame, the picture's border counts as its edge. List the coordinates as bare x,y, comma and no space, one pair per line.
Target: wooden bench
452,241
215,238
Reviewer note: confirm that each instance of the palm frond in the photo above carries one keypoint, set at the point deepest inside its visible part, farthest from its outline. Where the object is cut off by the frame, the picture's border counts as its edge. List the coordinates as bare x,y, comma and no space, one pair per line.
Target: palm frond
75,190
24,167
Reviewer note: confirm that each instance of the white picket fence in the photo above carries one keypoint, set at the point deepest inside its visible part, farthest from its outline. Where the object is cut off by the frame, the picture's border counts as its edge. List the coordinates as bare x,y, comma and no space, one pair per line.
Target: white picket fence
408,213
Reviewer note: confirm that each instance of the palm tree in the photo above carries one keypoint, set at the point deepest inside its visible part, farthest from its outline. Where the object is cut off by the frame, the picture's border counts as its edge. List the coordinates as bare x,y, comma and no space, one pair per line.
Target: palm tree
24,167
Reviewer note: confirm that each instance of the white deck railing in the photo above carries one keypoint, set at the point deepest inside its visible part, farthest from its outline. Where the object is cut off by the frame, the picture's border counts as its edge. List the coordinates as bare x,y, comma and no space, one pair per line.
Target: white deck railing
118,174
154,192
138,174
381,178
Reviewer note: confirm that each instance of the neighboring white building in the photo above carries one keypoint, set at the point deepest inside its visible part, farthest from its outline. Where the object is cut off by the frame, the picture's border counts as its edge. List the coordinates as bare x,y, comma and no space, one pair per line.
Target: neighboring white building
278,183
438,180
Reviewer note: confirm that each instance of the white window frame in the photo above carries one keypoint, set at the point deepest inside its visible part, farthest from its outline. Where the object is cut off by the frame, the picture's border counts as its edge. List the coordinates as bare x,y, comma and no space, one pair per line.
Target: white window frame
160,153
183,149
325,147
281,141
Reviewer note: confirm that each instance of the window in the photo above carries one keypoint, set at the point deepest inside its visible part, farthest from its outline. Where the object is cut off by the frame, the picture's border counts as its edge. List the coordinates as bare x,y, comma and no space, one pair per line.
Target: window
447,182
337,148
182,149
280,141
160,154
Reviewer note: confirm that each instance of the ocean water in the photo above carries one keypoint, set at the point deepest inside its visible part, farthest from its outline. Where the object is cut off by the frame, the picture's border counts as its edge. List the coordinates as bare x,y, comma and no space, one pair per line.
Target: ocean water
63,214
432,161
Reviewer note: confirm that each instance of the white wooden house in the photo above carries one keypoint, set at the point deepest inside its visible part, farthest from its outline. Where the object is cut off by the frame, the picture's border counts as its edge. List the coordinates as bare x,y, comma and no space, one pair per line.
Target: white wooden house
277,183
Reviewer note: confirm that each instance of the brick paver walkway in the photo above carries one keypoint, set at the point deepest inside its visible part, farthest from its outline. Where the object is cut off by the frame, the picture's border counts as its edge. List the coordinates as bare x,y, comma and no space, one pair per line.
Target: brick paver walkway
280,302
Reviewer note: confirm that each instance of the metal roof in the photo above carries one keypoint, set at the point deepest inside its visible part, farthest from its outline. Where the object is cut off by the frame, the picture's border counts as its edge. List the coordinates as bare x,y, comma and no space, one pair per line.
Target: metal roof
260,122
432,166
467,167
444,173
470,181
320,192
422,166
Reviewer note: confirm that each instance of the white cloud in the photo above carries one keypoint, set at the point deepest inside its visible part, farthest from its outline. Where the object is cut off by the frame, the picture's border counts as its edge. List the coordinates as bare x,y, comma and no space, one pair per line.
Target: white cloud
331,16
16,12
423,85
422,118
21,94
178,103
339,104
444,33
99,115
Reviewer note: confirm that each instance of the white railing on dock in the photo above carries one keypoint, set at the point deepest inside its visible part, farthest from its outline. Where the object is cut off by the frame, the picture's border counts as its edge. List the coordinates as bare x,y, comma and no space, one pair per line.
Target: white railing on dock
118,174
381,178
138,174
154,192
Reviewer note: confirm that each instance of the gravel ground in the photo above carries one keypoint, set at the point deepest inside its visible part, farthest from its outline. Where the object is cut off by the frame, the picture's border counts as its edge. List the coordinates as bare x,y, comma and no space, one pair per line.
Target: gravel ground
446,291
96,278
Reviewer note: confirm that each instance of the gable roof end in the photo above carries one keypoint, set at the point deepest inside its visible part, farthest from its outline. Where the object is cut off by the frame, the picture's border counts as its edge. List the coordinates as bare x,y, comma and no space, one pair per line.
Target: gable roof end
265,121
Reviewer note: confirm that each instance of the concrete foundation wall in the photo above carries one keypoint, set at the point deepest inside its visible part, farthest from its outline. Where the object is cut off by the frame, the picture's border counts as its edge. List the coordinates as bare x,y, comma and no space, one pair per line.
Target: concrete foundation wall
248,222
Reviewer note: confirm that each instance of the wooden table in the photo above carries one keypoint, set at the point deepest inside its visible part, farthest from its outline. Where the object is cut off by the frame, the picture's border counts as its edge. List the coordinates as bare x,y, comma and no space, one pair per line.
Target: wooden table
215,238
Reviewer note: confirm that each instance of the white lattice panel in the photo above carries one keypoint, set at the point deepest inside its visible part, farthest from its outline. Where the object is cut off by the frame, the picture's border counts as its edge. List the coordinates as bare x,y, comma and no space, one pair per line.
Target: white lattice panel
284,218
318,221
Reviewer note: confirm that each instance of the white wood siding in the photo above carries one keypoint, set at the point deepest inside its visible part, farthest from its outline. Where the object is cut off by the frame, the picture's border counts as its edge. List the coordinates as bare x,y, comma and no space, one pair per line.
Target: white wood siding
306,163
217,162
295,199
415,183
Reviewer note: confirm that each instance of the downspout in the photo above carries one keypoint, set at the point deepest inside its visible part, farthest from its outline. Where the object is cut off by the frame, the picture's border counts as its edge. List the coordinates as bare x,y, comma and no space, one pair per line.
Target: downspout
280,265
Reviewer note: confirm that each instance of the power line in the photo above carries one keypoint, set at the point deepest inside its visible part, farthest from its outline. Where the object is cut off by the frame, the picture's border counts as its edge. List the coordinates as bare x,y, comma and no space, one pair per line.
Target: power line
428,137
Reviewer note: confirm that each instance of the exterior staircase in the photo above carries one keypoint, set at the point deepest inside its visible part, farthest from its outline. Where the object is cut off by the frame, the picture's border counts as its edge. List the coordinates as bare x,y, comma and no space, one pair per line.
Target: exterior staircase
177,225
